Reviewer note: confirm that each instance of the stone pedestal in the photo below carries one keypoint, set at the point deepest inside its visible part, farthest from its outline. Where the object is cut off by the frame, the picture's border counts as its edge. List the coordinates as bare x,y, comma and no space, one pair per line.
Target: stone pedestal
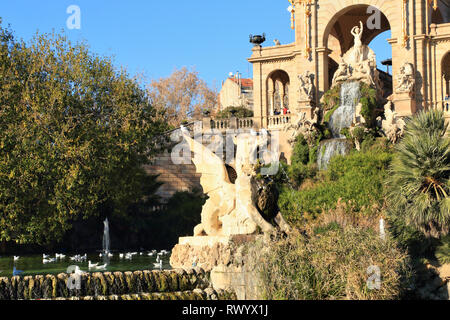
405,104
305,107
229,259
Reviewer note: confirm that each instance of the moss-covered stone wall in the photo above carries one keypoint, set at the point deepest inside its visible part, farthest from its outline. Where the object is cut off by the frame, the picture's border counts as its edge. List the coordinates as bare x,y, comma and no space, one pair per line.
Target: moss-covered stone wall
141,285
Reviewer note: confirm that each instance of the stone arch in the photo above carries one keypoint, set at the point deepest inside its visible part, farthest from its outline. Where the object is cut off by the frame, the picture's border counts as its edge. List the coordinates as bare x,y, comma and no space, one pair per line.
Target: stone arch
278,82
335,31
391,11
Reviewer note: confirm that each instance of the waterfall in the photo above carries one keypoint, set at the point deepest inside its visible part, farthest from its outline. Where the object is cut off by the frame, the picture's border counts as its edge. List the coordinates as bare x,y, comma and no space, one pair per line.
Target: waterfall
330,148
341,118
106,236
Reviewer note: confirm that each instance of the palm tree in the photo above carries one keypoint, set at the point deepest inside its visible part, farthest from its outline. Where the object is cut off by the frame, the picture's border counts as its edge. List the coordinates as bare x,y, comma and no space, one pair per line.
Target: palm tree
418,185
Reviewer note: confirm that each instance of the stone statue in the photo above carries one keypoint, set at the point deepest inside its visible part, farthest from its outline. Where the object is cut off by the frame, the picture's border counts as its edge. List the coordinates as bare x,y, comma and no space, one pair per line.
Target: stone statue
358,64
306,86
342,73
393,127
406,79
301,125
368,71
229,209
358,47
277,42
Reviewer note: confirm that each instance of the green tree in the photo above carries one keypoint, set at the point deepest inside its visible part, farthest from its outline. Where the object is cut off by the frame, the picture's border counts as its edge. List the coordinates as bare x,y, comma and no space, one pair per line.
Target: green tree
238,112
418,185
74,134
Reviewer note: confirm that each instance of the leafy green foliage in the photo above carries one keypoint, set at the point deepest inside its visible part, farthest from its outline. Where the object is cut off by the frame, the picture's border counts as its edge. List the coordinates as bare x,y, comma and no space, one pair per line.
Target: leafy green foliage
331,99
418,184
300,154
239,112
74,135
369,104
303,163
357,177
443,251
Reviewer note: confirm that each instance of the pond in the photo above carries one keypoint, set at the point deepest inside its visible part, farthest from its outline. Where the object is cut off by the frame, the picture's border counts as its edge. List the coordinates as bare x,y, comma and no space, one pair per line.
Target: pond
33,264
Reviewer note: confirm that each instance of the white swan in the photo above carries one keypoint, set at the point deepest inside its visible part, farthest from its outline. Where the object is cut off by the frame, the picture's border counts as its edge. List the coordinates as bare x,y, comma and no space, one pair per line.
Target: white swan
102,267
16,258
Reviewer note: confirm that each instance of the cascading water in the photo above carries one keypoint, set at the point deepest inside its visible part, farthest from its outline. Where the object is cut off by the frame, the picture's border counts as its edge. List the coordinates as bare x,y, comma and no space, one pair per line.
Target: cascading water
341,118
106,237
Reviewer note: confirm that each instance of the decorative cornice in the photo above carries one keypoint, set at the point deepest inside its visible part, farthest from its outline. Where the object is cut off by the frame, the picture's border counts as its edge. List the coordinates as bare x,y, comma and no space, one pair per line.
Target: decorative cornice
440,40
272,59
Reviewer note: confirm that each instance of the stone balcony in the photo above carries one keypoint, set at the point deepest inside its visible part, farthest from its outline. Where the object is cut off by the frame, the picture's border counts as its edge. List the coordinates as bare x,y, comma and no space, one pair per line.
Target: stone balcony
225,124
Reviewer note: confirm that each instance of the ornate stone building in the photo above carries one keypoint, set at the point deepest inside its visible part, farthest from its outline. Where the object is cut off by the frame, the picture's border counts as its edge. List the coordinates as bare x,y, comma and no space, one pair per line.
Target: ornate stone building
298,74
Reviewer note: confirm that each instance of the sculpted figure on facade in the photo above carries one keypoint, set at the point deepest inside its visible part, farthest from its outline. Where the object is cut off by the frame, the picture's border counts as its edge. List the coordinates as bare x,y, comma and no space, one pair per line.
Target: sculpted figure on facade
306,86
393,127
358,63
301,125
358,53
342,73
406,79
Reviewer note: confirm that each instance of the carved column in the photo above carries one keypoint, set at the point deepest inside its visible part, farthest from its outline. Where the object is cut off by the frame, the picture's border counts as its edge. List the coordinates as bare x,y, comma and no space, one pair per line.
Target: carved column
322,83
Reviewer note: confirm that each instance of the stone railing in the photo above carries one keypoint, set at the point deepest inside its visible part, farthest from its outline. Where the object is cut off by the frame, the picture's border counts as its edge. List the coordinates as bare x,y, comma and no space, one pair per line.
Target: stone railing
220,124
230,123
245,123
176,284
278,121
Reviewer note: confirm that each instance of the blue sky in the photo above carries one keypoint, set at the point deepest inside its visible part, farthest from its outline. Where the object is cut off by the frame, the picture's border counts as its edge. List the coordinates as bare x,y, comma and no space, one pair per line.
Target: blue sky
155,37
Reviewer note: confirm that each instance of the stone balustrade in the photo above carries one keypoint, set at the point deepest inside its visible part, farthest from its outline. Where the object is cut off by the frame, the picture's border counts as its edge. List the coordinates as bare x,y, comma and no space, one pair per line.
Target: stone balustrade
278,121
231,123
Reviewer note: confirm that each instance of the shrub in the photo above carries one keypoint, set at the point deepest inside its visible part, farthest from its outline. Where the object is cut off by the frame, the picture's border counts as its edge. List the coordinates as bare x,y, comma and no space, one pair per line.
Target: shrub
418,184
239,112
299,172
358,177
301,168
333,264
300,153
369,104
331,99
443,251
